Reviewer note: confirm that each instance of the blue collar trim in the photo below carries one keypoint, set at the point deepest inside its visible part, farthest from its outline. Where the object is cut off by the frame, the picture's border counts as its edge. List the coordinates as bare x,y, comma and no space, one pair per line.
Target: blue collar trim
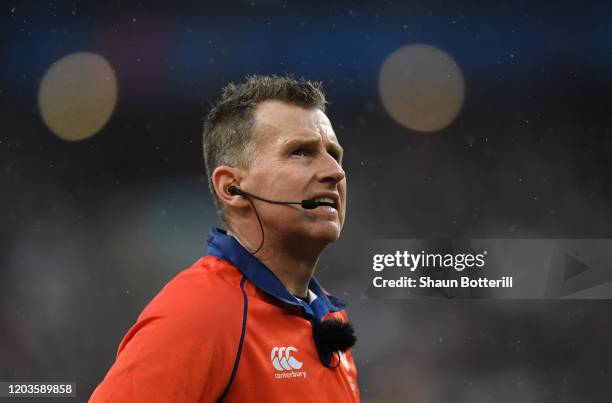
226,247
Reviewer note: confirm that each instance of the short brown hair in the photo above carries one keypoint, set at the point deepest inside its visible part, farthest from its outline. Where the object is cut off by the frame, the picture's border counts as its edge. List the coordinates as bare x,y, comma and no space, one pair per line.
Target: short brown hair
228,134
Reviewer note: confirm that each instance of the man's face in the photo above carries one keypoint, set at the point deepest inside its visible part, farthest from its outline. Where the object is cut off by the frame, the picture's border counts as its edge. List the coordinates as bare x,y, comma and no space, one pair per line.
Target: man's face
298,157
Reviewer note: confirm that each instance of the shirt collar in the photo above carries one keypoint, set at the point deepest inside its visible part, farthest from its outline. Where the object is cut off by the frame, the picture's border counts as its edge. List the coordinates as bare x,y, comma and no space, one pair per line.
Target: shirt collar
226,247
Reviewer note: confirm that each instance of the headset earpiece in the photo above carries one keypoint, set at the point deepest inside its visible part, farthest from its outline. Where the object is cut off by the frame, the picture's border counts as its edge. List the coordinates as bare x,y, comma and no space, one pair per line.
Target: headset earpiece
234,191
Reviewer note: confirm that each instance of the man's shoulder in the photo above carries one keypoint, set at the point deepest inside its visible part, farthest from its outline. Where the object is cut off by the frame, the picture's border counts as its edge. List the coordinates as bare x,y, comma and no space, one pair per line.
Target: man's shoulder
193,319
208,271
211,285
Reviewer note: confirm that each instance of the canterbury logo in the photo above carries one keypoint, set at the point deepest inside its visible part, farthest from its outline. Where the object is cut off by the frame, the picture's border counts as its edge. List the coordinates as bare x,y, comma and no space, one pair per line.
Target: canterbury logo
282,359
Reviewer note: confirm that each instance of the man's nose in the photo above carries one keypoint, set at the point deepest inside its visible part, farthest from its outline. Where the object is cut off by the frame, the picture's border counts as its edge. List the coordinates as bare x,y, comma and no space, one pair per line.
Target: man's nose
331,170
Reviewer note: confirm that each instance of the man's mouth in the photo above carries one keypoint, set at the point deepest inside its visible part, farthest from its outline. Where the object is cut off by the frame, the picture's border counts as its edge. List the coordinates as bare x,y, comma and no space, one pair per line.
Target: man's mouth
327,201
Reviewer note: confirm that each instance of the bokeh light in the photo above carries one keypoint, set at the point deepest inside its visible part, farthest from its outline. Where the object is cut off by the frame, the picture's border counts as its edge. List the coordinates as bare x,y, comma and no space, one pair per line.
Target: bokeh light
77,95
421,87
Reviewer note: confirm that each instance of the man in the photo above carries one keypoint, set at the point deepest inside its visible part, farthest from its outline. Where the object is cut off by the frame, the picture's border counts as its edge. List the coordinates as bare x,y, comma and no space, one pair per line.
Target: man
249,322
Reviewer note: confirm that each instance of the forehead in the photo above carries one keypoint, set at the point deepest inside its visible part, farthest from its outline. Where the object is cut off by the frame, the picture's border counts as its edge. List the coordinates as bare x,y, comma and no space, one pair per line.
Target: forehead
279,122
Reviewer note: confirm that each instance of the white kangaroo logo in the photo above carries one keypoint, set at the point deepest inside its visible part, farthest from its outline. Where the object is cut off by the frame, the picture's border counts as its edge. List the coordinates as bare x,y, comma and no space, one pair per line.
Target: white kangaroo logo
282,359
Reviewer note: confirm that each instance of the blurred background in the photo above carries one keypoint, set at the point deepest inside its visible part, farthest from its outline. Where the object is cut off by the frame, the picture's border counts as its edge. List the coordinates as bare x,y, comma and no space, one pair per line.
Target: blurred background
458,120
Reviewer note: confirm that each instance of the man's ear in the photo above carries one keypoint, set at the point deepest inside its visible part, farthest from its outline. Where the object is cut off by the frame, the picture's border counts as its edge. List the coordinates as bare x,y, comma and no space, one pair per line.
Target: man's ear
222,177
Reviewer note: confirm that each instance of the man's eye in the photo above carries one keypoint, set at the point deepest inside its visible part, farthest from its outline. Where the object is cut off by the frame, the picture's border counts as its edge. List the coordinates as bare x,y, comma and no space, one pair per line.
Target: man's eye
299,151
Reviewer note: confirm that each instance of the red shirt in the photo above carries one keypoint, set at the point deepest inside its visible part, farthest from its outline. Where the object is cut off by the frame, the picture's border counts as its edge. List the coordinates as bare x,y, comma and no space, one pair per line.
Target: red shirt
227,327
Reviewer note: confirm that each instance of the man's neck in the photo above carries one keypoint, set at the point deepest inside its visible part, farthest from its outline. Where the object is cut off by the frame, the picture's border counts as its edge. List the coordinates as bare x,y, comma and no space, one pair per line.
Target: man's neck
294,268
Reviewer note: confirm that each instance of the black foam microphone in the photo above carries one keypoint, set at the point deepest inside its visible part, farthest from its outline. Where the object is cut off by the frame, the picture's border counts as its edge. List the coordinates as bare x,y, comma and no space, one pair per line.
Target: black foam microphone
307,204
332,336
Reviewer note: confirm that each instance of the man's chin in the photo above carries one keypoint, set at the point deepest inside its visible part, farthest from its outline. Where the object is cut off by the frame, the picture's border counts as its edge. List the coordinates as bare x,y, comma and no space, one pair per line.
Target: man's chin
327,232
312,234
